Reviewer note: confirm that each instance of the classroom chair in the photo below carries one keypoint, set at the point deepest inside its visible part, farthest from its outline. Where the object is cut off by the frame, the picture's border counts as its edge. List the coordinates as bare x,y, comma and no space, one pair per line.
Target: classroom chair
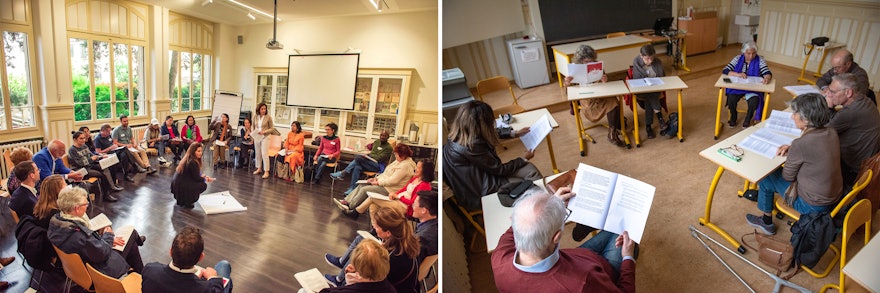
614,35
858,215
791,212
106,284
426,267
494,84
274,146
92,180
75,270
14,215
471,216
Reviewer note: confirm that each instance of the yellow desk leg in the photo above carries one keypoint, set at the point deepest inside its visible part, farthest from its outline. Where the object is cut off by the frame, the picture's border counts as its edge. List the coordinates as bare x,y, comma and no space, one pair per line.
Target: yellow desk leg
684,57
746,186
717,114
705,221
821,62
680,119
552,156
623,122
580,127
635,121
806,60
766,106
559,77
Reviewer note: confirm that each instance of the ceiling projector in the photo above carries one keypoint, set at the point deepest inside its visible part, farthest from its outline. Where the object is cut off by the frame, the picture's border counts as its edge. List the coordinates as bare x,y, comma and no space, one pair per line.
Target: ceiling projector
274,45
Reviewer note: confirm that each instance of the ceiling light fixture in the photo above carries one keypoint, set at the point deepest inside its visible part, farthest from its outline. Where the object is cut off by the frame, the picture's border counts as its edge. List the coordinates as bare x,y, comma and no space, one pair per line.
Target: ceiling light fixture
251,16
245,6
375,4
206,2
378,4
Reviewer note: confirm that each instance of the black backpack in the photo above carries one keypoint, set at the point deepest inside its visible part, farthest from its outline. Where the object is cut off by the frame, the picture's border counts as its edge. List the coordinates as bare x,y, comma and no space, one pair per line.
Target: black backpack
671,125
34,245
810,237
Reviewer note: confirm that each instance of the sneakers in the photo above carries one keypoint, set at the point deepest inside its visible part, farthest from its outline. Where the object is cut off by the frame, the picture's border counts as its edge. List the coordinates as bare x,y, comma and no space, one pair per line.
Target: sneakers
333,281
337,175
332,260
348,191
162,160
340,205
758,222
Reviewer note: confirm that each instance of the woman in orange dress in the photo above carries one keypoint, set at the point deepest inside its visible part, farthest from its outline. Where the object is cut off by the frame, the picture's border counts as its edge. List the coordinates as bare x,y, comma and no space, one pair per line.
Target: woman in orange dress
294,146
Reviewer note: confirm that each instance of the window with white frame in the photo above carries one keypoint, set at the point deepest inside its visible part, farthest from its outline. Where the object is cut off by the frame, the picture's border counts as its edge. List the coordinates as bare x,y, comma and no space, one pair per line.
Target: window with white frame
16,88
190,56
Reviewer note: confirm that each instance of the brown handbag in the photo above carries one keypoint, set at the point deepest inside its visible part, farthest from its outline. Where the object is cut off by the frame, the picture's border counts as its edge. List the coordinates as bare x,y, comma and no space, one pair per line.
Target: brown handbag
772,252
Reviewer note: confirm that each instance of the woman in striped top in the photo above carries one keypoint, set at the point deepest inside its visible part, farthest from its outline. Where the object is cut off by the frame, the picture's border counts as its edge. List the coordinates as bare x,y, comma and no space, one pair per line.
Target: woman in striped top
742,66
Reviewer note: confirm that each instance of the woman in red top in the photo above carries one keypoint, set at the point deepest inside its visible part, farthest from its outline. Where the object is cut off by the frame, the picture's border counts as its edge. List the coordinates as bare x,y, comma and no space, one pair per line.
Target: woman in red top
190,131
406,196
328,152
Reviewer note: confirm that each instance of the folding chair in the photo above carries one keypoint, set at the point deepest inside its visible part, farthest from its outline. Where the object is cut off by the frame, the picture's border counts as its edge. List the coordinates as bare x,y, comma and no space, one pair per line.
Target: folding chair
791,212
471,217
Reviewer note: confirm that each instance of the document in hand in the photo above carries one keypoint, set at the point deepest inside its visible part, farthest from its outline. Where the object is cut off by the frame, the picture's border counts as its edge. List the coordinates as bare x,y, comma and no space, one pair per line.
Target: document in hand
648,81
367,235
125,233
108,161
311,280
610,201
377,196
165,136
82,171
537,133
99,221
586,73
220,143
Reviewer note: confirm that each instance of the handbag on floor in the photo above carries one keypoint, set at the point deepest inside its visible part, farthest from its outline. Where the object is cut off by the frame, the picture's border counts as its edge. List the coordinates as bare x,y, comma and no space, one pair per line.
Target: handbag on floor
772,252
282,170
298,176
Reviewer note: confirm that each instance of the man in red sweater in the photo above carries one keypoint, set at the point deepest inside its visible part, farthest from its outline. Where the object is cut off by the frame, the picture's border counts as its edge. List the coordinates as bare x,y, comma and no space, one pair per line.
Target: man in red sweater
528,258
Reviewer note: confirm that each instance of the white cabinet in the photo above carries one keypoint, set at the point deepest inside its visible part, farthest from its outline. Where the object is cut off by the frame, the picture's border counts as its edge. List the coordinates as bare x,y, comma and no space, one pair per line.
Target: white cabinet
380,103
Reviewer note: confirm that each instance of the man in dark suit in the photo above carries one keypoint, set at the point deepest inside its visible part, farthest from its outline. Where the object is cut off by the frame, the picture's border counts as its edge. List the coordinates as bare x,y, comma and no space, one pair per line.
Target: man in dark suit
182,274
24,199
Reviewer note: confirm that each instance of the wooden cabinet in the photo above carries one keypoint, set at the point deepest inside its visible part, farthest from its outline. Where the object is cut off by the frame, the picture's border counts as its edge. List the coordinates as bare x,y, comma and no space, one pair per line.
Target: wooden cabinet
380,102
702,33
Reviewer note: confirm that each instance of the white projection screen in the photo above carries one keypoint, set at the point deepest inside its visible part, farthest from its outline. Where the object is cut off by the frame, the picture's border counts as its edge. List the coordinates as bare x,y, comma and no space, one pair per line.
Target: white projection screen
322,80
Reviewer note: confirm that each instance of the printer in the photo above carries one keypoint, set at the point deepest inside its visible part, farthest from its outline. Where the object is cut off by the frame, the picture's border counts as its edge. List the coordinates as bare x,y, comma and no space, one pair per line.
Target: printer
455,92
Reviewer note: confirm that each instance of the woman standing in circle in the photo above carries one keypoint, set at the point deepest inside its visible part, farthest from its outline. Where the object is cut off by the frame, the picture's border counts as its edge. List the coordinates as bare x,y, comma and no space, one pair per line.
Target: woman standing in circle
188,182
262,128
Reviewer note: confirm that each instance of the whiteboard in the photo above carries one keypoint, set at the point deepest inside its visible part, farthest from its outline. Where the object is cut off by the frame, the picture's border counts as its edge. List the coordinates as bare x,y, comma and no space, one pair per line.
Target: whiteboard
229,103
322,80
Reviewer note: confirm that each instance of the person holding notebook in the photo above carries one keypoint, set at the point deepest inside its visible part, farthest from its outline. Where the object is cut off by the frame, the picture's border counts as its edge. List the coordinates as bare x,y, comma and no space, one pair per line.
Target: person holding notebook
595,109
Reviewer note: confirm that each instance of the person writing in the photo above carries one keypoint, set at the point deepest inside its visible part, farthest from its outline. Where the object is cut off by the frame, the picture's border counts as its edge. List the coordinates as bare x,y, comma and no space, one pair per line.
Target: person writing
470,164
857,124
742,66
188,182
528,257
222,136
647,65
294,144
595,109
813,161
104,145
182,274
328,152
380,152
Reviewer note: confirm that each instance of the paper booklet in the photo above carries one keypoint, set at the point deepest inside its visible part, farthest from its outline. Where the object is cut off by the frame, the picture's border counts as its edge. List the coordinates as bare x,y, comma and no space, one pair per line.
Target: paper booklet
610,201
362,182
165,137
282,152
125,233
100,221
311,280
648,81
537,133
108,161
367,235
586,73
748,79
370,158
82,171
377,196
781,121
220,143
765,142
133,150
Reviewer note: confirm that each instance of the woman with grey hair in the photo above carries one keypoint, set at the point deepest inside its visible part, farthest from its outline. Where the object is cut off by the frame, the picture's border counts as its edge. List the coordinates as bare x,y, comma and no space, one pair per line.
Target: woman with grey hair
813,162
71,231
595,109
742,66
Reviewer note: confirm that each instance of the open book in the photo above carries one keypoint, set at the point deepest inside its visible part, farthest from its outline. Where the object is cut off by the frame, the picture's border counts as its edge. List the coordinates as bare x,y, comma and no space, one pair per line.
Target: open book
124,232
648,81
367,235
765,142
377,196
610,201
586,73
537,133
311,280
108,161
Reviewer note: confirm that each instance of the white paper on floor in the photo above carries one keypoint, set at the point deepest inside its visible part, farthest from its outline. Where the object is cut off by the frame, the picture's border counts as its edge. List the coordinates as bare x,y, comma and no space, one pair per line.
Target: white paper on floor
220,202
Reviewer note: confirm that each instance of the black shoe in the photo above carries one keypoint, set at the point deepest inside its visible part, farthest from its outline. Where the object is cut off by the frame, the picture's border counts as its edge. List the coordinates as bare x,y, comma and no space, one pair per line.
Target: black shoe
580,232
117,188
189,206
351,214
143,239
151,171
650,132
129,178
747,123
216,166
731,124
110,198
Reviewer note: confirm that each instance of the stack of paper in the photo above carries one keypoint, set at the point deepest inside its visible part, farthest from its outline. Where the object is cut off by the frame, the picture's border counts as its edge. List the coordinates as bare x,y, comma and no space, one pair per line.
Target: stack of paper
802,89
311,280
748,79
220,202
648,81
779,130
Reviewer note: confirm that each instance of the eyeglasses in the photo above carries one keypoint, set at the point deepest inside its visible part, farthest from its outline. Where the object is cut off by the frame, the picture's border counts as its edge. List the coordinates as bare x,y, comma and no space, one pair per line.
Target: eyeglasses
567,214
734,152
834,91
83,204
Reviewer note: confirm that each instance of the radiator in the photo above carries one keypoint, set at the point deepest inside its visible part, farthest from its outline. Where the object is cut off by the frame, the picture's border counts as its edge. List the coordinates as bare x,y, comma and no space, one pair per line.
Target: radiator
34,145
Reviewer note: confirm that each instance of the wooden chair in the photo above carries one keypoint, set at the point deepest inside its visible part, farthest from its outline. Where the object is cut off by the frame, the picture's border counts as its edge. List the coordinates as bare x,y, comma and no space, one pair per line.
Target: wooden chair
92,180
7,156
14,215
425,268
791,212
470,216
107,284
274,146
75,270
614,35
494,84
858,215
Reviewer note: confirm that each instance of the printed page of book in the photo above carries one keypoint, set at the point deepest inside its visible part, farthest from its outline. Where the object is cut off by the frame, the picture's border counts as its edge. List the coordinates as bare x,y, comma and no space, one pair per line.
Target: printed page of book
748,79
802,89
592,188
125,233
108,161
765,142
99,221
367,235
578,72
378,196
648,81
311,280
781,121
537,133
630,206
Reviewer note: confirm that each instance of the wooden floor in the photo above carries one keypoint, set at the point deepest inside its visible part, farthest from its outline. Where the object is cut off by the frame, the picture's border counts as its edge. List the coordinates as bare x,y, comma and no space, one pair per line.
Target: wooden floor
287,228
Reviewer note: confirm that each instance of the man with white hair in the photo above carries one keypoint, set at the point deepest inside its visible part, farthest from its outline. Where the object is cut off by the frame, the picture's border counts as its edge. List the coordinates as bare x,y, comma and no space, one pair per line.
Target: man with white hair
842,62
857,124
528,257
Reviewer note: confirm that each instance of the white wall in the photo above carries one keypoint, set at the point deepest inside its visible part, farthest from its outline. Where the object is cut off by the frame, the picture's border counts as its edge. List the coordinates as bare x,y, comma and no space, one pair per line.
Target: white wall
402,40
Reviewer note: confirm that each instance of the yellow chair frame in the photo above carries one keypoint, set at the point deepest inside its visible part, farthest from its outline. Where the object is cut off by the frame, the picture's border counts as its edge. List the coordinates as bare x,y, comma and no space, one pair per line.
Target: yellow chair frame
858,215
469,215
791,212
614,35
496,84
